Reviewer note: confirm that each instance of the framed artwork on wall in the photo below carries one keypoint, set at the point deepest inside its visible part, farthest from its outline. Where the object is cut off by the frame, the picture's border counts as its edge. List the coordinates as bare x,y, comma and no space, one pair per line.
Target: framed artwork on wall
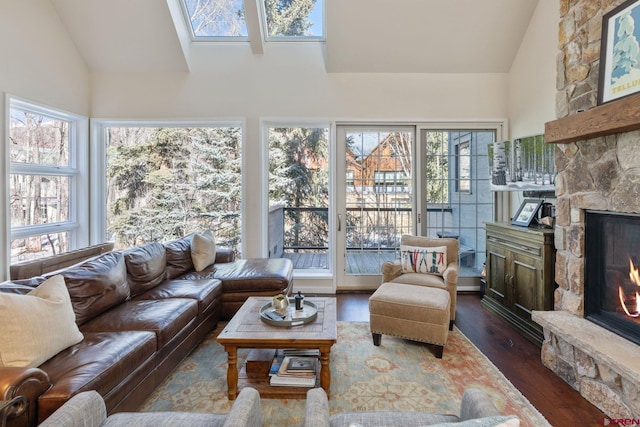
522,164
527,211
620,52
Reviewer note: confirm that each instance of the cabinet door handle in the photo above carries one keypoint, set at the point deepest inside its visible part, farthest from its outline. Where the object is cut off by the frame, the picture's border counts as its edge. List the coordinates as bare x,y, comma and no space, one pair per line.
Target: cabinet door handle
509,280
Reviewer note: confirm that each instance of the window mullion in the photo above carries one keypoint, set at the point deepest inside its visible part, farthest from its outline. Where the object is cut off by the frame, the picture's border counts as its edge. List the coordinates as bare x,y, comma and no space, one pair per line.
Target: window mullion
43,170
34,230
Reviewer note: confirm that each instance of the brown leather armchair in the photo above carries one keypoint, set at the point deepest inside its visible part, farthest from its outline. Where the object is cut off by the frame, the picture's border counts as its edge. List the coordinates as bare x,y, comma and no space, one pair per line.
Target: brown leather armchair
392,271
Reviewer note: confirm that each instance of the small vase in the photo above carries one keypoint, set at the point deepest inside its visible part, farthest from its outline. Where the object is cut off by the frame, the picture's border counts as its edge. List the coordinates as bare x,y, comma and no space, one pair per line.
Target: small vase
280,302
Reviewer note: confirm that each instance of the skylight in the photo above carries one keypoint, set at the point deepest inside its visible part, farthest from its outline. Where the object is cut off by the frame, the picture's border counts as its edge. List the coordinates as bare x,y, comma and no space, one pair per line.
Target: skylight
211,20
294,19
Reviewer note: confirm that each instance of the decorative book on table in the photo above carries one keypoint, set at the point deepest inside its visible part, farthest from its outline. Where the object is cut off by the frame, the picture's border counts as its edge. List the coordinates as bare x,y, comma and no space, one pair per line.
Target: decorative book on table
295,371
313,352
308,371
277,362
301,364
277,380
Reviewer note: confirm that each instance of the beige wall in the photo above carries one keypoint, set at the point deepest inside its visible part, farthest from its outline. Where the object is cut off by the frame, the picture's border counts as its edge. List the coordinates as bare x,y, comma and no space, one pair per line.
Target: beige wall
39,63
532,80
283,84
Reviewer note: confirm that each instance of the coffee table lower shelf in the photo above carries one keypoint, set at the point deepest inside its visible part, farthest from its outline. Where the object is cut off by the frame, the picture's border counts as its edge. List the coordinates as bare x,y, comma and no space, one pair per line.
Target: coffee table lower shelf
269,391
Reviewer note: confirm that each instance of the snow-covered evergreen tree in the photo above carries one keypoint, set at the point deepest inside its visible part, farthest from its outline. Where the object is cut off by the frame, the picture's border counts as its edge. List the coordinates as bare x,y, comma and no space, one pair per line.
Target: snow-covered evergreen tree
168,182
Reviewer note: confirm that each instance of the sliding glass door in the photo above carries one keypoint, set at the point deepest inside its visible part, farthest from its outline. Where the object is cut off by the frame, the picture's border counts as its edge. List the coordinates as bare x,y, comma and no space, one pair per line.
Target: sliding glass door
456,195
375,200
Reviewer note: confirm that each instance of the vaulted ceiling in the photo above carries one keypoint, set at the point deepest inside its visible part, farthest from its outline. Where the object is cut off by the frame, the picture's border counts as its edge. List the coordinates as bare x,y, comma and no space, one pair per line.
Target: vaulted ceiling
362,36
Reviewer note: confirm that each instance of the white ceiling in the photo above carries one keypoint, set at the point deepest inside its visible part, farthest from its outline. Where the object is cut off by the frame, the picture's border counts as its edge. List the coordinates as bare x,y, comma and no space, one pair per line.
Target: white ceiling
363,36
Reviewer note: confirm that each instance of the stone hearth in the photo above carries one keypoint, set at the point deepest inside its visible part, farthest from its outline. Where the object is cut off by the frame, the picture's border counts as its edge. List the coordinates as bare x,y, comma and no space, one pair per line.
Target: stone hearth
600,173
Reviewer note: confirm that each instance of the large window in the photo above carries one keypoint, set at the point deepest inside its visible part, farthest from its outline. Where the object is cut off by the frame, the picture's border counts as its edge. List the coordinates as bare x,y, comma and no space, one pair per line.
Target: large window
44,184
166,182
299,195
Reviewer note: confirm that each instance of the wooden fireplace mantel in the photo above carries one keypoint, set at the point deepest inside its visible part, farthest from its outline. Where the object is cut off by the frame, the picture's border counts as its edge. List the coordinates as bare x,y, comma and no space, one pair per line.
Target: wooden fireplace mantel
618,116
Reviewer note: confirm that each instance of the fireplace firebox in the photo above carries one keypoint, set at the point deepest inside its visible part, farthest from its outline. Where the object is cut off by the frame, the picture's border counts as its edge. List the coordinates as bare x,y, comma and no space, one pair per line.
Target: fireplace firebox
612,272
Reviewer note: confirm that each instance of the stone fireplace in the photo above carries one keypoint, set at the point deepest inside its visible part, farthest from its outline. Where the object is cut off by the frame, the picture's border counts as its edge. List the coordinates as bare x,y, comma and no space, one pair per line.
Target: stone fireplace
599,174
598,163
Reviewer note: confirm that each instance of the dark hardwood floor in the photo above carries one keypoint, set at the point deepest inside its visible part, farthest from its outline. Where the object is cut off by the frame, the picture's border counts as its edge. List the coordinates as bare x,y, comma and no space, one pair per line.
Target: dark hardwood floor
515,356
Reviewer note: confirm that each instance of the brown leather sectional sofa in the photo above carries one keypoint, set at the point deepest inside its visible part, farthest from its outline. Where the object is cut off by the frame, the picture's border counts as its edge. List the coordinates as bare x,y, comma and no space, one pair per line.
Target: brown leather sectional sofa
141,311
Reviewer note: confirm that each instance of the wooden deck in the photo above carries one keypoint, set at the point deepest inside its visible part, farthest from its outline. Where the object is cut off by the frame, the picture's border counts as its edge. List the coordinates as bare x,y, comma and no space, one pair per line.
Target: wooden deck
358,263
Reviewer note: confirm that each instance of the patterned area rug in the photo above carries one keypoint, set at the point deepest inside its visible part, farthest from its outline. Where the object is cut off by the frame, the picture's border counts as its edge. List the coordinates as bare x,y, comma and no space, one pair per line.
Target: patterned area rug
398,375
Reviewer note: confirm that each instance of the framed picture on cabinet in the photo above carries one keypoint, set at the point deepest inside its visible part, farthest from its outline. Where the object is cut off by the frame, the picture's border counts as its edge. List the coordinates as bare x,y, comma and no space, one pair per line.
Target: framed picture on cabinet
527,211
620,52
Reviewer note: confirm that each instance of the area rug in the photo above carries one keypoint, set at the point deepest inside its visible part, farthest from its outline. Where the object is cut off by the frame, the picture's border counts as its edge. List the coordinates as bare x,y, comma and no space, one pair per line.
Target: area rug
398,375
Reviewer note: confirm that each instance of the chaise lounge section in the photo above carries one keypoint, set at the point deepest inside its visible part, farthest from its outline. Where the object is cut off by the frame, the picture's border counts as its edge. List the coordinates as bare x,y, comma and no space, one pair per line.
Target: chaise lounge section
140,312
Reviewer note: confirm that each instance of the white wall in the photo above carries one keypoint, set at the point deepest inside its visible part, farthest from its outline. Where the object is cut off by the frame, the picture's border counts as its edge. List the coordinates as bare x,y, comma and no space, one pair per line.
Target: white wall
532,79
38,62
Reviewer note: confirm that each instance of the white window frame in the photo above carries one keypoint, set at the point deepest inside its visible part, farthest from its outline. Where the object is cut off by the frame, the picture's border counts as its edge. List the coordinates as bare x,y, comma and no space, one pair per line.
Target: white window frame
77,225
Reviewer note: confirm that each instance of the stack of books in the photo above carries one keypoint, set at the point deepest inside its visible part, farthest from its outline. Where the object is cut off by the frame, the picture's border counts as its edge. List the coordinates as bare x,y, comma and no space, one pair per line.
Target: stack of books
294,368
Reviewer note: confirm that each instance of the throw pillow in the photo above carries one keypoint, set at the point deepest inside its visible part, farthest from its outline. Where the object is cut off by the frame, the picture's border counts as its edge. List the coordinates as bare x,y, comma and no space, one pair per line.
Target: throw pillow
38,325
420,259
203,250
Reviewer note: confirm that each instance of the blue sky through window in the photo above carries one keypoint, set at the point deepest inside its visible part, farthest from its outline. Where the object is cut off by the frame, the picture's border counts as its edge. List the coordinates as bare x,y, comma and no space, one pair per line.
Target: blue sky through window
316,19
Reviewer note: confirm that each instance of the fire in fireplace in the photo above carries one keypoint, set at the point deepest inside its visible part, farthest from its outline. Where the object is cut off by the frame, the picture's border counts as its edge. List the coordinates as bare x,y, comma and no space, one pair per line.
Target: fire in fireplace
629,298
612,276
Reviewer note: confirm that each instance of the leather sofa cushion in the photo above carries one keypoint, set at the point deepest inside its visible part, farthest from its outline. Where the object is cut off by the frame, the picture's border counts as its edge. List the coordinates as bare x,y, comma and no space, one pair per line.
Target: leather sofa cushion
206,292
178,253
250,275
100,362
96,285
146,266
164,317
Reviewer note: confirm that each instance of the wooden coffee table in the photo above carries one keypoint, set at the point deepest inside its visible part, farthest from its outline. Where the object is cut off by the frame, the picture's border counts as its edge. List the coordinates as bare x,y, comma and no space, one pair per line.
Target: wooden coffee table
247,330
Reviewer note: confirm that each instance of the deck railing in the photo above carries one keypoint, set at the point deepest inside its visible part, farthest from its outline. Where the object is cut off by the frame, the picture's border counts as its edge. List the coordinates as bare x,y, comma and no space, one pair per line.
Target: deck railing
306,229
302,235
